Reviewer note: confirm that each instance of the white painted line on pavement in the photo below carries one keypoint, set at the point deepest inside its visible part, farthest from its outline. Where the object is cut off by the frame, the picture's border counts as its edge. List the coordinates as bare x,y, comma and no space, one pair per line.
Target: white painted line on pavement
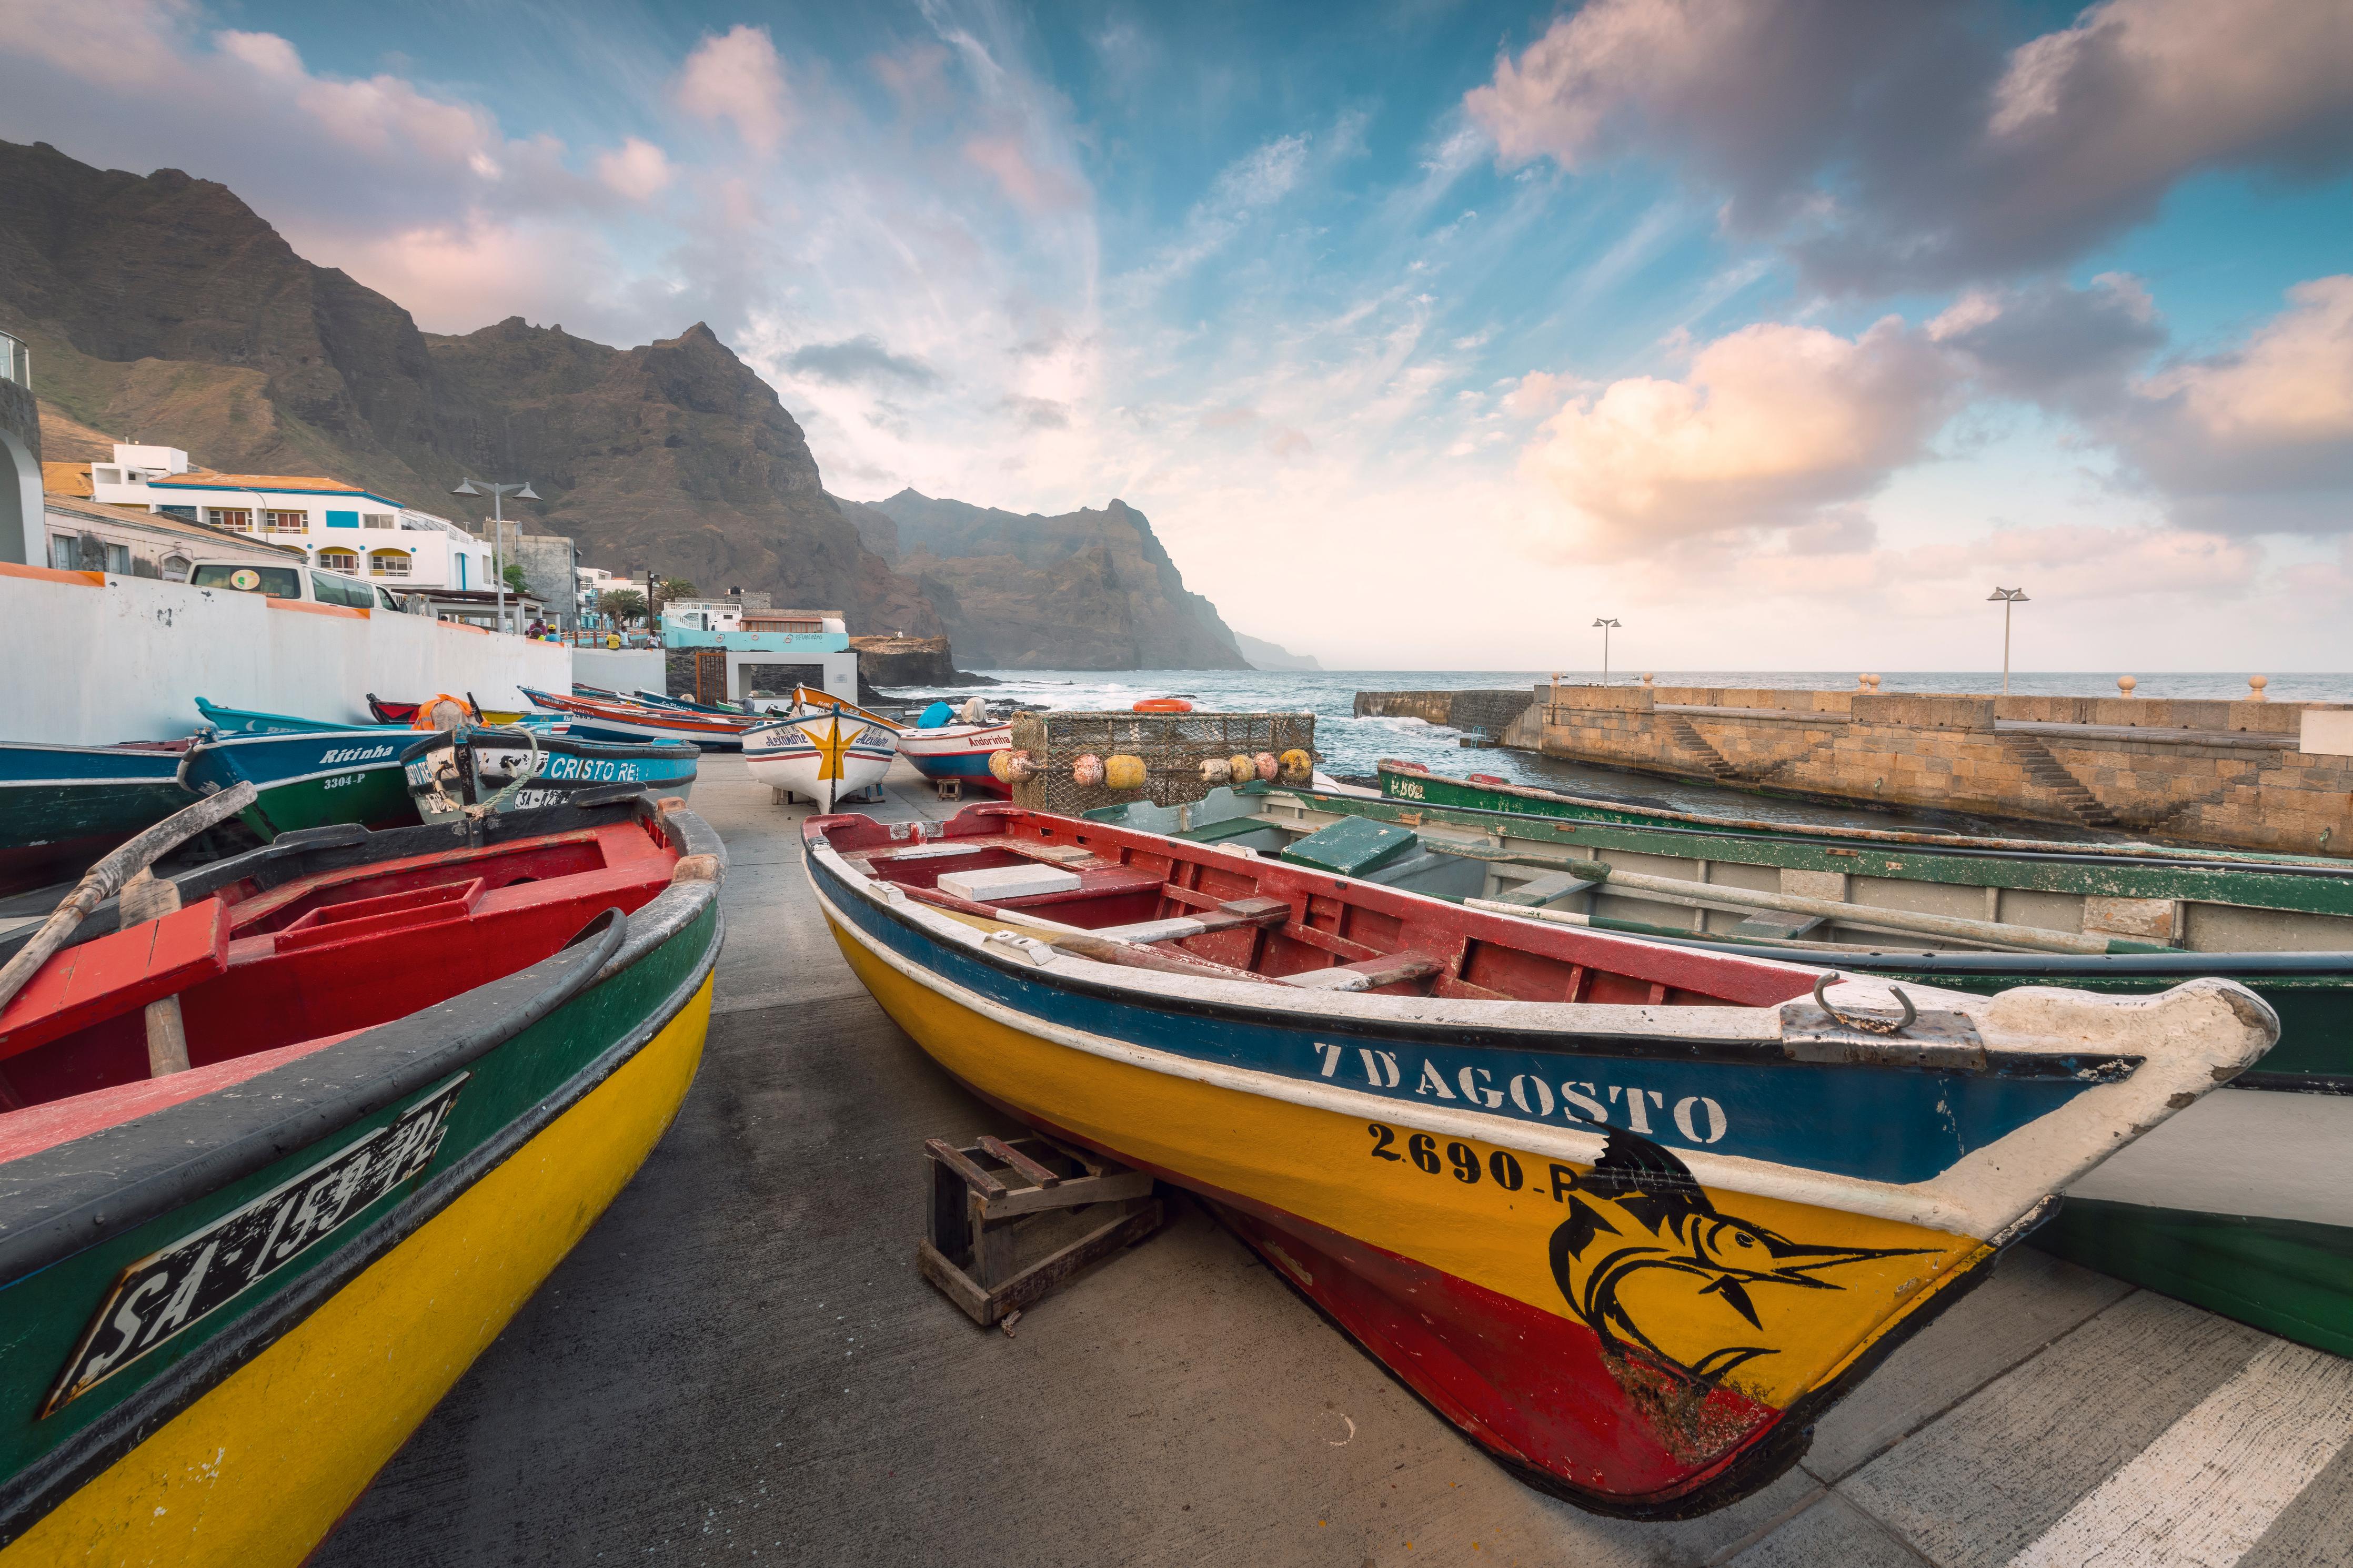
2206,1490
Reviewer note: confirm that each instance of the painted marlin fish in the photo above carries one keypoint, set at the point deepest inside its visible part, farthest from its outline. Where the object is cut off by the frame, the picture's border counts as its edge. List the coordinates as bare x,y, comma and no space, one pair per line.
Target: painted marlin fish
1674,1227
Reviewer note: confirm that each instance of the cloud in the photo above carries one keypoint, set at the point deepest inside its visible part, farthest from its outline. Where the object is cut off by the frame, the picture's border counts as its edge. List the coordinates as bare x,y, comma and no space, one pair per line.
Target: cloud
635,169
1891,146
735,76
1037,413
859,359
2271,419
1034,186
1772,423
2072,349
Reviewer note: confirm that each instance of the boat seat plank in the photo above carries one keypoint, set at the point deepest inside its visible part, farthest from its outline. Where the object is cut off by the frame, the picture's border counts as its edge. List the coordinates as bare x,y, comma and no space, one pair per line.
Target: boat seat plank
1552,887
1228,916
117,973
1367,974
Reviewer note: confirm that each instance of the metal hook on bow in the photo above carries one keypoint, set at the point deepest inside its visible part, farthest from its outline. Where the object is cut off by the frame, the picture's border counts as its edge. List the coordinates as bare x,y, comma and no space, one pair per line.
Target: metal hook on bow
1869,1023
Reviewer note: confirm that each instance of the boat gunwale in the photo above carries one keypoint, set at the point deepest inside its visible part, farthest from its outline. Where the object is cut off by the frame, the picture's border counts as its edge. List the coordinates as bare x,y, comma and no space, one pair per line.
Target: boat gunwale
617,751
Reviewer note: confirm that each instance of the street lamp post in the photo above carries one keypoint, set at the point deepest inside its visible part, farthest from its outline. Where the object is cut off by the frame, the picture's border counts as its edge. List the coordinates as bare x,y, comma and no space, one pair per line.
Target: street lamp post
1605,622
498,494
2006,597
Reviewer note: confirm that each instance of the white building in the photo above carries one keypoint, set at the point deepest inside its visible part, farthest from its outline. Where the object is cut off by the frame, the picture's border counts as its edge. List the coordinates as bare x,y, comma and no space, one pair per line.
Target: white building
342,527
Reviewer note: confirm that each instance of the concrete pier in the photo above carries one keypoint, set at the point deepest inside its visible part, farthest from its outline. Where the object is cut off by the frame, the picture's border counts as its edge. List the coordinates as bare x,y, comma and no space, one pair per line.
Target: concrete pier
2253,774
740,1364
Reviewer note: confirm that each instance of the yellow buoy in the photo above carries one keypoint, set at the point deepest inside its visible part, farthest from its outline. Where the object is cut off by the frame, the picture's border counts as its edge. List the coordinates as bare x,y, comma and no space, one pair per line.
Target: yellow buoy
1120,772
1240,768
1298,767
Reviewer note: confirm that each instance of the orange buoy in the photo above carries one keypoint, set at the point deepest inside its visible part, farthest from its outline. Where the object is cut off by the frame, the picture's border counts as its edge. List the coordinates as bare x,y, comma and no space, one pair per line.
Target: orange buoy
1163,705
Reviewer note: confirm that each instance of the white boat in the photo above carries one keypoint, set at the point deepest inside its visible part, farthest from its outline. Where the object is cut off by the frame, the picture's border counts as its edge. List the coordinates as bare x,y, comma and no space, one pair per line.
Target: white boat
824,757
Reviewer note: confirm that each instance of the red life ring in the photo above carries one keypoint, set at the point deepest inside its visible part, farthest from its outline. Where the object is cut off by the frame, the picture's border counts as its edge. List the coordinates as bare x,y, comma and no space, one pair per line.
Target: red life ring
1163,705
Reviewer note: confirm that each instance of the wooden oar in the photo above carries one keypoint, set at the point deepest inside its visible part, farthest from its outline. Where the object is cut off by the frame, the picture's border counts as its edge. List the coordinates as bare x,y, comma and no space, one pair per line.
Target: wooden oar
108,877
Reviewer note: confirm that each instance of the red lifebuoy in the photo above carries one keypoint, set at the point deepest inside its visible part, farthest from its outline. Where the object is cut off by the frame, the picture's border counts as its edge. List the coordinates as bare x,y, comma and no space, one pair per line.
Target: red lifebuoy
1163,705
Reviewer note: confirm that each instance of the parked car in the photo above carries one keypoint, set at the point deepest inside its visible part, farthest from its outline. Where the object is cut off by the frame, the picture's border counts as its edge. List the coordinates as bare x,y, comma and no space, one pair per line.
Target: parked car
290,582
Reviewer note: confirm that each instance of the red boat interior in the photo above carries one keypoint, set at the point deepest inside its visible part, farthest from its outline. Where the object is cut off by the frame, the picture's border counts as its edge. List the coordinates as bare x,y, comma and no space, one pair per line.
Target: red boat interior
1149,902
265,976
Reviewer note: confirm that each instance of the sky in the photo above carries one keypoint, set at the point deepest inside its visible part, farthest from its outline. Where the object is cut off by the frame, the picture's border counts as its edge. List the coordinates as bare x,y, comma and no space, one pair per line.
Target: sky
1782,332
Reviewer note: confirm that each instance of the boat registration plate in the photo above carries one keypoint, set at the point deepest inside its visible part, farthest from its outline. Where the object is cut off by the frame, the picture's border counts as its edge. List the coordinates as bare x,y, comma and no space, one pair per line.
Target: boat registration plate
167,1292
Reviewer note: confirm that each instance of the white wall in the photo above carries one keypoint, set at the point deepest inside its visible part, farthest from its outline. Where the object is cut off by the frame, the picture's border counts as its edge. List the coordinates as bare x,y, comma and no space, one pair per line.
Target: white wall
624,670
82,663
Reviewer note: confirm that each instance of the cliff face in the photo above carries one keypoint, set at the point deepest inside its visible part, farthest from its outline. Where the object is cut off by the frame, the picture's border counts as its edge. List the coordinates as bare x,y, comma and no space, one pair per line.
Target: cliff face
1086,590
164,309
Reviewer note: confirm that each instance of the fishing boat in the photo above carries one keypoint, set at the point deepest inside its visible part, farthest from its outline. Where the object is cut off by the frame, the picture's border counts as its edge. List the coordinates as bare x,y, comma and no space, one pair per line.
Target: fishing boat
249,722
2268,1242
824,755
942,746
317,778
1631,1216
455,776
62,807
413,1076
597,720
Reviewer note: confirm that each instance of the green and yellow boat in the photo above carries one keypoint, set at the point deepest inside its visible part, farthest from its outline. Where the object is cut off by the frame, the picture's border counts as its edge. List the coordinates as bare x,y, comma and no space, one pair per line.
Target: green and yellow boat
412,1070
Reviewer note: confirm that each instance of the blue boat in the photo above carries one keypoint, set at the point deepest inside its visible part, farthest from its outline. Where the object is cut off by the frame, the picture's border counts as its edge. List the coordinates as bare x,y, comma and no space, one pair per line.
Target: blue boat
62,807
309,780
247,722
509,768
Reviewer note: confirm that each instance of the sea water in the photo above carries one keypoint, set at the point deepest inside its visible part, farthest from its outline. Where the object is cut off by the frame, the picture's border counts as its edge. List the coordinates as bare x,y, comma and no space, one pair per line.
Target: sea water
1352,746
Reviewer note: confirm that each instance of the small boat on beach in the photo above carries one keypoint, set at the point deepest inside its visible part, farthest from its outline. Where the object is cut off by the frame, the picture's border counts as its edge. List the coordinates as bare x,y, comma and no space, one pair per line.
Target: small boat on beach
408,1079
62,807
2269,1241
957,748
249,721
454,775
1631,1216
598,720
822,754
315,778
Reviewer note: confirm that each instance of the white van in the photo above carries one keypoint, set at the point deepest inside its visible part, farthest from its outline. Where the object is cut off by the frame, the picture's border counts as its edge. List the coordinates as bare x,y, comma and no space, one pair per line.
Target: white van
290,582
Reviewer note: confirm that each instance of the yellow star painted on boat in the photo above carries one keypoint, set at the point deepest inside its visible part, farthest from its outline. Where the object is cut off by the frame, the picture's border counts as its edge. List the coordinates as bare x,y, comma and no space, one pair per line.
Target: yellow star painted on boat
829,747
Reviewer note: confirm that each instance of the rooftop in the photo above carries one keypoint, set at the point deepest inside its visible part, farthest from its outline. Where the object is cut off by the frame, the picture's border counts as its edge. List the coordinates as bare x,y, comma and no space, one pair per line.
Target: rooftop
205,479
60,501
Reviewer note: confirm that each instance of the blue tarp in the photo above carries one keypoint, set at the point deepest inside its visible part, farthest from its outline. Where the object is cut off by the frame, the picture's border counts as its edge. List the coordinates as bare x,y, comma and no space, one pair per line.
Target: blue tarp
938,716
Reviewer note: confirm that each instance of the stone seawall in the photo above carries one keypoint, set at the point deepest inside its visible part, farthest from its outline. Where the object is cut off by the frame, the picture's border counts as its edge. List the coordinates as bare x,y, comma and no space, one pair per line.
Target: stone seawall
1493,711
2213,773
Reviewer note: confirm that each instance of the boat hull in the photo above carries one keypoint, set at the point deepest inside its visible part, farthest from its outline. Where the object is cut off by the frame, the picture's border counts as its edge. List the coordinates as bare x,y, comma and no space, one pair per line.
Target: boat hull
630,722
62,805
312,780
246,1438
960,753
825,759
566,768
1453,1283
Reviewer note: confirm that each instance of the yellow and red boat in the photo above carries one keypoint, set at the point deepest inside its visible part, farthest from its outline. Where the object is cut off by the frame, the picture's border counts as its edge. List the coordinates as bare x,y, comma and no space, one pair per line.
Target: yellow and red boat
1631,1216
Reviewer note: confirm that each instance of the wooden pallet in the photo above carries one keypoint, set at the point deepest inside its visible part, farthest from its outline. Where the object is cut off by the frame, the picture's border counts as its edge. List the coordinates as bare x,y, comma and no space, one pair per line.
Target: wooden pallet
983,1197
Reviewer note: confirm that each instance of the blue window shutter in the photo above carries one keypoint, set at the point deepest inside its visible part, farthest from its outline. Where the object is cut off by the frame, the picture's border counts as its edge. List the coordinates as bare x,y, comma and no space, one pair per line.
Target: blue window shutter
342,520
461,568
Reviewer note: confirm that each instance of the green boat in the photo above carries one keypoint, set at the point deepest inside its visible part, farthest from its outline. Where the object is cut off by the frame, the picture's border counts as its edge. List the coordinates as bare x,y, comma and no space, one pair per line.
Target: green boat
410,1075
2268,1241
62,807
316,779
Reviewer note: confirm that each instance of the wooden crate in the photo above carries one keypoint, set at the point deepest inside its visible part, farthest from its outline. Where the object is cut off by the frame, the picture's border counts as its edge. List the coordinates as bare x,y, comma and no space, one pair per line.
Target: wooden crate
984,1198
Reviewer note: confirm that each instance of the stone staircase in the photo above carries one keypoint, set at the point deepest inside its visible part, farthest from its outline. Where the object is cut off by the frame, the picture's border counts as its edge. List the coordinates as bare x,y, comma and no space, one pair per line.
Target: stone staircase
1711,761
2045,771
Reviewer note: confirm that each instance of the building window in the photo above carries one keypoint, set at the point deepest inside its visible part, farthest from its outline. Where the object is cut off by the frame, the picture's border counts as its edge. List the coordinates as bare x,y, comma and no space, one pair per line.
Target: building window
176,568
340,559
185,514
64,552
387,563
287,521
236,518
107,475
376,519
118,560
342,520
